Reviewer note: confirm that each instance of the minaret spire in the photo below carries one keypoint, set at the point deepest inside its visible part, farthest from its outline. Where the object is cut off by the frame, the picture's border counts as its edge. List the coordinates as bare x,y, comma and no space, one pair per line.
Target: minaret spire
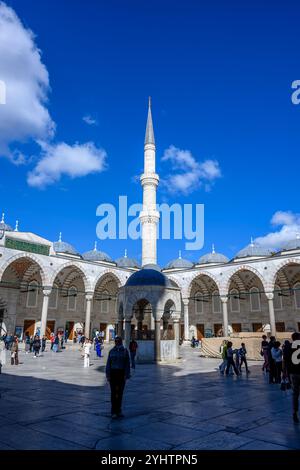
149,217
149,136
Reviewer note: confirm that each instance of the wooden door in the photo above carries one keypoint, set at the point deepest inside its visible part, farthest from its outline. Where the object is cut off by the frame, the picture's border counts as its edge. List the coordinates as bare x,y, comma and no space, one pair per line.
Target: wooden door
181,331
218,328
50,328
29,326
200,330
299,326
237,327
280,326
257,327
70,329
103,327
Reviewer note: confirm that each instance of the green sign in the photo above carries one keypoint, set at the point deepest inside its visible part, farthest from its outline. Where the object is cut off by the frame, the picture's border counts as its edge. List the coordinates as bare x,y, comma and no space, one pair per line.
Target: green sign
27,246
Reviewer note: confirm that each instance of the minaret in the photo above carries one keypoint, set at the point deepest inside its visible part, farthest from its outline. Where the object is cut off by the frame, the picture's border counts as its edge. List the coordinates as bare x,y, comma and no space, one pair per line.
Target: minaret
149,217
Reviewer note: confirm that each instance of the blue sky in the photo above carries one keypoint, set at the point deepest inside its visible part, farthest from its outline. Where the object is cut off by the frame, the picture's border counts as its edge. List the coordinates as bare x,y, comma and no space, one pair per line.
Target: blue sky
220,76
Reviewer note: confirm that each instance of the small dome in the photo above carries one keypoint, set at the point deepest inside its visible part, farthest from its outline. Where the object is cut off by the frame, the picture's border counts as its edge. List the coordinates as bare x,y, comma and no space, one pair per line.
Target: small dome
64,247
95,255
148,277
4,226
179,263
253,249
293,244
213,258
125,262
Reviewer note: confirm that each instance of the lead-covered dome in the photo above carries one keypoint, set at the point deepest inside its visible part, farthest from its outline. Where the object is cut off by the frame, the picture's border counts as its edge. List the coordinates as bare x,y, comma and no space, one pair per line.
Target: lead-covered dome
4,226
213,258
125,262
253,249
96,255
149,275
179,263
64,247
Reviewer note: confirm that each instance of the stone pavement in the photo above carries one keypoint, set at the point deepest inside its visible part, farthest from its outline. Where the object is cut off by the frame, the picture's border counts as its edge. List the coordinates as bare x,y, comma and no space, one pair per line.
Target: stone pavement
52,402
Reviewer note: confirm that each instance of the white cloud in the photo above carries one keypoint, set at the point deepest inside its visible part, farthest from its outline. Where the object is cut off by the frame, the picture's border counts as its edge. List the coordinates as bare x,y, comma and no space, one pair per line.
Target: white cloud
190,174
70,160
290,226
24,116
88,119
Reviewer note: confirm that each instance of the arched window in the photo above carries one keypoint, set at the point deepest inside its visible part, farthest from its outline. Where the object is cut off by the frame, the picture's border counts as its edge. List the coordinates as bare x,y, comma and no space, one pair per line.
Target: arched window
53,297
198,302
297,295
105,302
72,298
277,298
216,302
234,300
255,299
32,294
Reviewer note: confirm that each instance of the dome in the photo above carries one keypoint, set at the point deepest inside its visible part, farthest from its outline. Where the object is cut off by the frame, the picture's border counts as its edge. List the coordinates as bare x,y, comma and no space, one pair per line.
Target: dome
293,244
253,249
148,276
95,255
4,226
125,262
213,258
64,247
179,263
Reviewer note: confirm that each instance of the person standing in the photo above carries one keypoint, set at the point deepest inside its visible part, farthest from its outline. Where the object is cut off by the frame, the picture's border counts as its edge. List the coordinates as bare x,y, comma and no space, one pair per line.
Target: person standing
264,353
271,362
277,358
14,352
52,339
230,361
31,343
243,359
36,346
87,351
223,351
133,346
293,367
117,372
27,342
44,339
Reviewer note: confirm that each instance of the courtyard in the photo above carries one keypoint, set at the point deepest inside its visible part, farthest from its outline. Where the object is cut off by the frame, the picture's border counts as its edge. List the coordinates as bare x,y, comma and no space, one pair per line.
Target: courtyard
54,403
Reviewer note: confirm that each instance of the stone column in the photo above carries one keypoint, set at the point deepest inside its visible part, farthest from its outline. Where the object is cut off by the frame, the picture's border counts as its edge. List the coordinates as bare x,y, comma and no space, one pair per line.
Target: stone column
157,352
127,332
87,328
186,319
270,298
46,293
224,301
120,327
176,334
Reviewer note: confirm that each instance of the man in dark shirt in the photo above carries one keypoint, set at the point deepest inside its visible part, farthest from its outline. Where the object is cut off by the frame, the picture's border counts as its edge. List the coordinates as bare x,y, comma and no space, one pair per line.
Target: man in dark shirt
293,368
117,372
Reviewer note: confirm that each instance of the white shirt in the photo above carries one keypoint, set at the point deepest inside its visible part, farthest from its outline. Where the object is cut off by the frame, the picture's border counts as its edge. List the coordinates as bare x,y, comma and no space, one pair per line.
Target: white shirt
87,348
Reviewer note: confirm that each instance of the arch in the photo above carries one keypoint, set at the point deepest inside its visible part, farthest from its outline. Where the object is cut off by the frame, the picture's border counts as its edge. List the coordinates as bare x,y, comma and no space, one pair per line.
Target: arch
104,273
76,267
174,282
244,267
199,274
282,265
30,257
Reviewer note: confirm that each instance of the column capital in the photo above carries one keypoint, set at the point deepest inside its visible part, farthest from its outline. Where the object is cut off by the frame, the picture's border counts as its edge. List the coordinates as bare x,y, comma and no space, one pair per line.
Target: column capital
224,299
47,290
270,296
89,296
185,302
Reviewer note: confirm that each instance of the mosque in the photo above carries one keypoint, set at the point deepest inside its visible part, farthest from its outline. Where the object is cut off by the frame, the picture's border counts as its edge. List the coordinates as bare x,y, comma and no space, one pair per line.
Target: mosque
48,286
